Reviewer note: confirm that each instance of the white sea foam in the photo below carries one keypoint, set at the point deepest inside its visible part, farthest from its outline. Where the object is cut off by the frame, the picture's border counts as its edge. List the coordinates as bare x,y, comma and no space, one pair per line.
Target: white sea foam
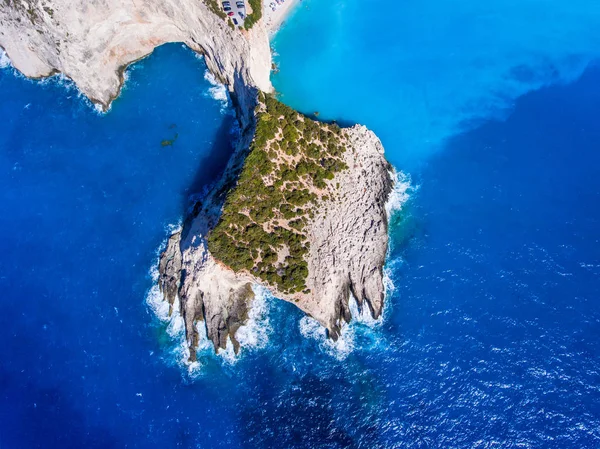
388,282
156,302
64,82
255,333
400,193
361,333
339,349
218,91
172,228
69,86
4,60
178,351
391,266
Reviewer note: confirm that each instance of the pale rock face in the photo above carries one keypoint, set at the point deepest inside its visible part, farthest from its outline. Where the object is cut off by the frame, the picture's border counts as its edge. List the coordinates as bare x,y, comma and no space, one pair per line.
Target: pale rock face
348,244
209,293
92,41
349,236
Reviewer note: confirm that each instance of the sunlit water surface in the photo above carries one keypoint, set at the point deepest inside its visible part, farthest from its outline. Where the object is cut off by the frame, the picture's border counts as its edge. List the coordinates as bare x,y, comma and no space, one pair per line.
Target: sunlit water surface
489,337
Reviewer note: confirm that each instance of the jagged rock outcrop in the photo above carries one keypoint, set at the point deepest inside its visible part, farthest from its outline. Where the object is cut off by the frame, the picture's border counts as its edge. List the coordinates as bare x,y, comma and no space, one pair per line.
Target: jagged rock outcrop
92,41
209,293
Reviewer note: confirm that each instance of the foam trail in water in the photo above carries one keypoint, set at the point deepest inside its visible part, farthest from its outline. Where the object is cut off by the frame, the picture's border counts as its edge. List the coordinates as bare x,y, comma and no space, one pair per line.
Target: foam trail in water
388,282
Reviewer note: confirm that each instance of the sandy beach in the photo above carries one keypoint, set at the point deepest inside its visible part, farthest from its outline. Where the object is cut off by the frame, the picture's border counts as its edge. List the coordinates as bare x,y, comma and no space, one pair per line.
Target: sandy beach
274,19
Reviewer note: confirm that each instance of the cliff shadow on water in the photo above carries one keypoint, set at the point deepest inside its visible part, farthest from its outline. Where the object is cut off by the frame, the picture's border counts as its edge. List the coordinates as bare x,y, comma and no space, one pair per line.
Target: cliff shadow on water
212,166
219,170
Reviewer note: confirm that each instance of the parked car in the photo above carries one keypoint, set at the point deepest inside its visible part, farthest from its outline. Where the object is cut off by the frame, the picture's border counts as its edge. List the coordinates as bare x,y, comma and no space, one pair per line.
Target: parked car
240,5
241,14
235,22
231,14
226,8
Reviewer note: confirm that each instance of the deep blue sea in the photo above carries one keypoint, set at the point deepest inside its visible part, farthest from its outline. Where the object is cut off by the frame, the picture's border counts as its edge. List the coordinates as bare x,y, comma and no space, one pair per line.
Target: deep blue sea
490,334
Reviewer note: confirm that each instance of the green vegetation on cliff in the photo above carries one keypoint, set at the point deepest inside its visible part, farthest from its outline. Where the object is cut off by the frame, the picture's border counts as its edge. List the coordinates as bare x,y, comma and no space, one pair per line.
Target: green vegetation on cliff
249,21
256,14
262,226
215,7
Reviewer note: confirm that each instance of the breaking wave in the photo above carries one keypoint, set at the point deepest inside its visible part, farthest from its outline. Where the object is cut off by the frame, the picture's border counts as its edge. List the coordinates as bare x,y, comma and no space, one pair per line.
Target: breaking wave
254,334
400,192
4,60
177,351
311,329
361,333
218,92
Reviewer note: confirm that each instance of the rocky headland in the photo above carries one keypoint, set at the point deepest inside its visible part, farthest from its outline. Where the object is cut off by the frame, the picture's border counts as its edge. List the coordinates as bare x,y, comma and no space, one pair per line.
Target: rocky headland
300,208
93,41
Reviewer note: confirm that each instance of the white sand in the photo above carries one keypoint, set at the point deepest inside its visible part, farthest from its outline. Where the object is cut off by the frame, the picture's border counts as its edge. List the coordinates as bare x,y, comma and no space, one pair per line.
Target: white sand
274,19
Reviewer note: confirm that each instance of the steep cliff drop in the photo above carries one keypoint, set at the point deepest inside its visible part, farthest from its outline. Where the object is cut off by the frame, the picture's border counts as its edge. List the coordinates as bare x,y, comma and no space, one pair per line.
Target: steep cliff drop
300,208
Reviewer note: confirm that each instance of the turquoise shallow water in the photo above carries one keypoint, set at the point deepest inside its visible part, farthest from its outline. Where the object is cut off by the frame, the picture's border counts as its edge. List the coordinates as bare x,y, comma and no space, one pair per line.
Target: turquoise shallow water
419,72
489,335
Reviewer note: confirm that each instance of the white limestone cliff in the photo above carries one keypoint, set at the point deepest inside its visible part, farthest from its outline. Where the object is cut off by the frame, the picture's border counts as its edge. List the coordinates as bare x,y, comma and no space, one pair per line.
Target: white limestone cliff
349,237
93,41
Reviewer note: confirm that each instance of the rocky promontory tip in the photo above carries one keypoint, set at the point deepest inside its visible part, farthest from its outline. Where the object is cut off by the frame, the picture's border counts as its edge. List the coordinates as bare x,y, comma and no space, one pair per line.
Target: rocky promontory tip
304,216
